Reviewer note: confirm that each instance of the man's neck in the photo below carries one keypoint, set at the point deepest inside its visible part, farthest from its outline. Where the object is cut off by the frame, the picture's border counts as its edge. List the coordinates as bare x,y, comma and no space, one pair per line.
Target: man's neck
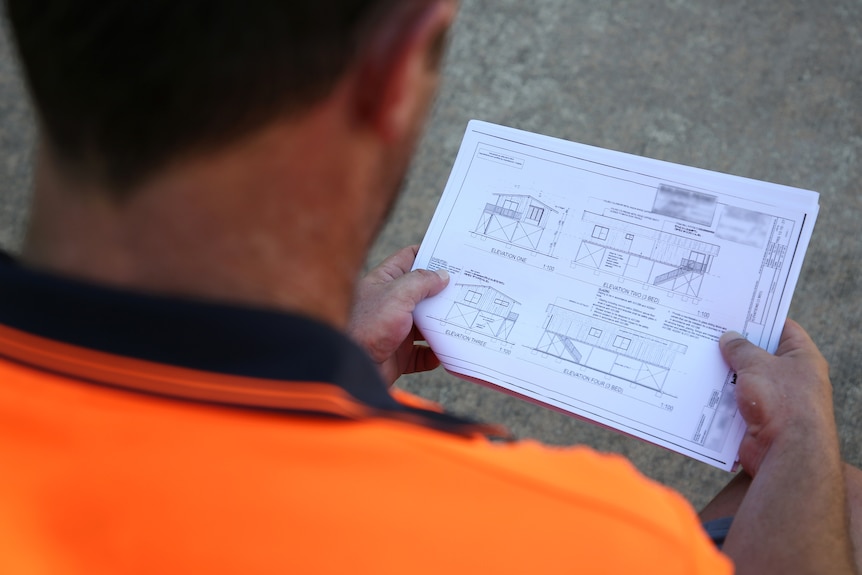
275,221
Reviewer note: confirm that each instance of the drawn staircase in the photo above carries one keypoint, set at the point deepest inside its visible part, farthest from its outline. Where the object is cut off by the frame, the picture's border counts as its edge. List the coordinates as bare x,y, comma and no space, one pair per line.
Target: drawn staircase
570,347
687,266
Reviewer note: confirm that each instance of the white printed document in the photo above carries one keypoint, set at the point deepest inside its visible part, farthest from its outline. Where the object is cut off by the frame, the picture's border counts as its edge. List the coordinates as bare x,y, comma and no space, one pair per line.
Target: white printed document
598,283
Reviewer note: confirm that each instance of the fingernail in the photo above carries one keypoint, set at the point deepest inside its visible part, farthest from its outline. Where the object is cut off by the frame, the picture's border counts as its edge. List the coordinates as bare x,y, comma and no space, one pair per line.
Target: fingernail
444,275
729,336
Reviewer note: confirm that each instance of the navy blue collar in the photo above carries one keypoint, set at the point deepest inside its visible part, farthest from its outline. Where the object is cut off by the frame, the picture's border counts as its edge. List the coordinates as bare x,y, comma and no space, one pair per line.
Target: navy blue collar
203,336
207,337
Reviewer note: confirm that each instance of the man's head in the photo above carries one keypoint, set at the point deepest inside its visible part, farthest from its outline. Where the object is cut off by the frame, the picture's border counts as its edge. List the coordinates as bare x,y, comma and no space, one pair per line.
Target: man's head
123,87
241,150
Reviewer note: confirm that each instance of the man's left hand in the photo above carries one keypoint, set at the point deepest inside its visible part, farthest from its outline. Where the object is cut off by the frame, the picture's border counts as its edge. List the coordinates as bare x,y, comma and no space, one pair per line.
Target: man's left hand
382,317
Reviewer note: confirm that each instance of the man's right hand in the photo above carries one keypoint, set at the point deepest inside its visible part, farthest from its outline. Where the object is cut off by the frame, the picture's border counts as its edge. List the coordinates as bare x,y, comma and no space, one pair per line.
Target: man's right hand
794,517
782,397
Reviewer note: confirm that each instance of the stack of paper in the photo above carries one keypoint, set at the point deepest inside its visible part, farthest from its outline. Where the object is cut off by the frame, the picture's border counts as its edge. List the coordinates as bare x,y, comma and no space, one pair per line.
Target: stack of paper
598,283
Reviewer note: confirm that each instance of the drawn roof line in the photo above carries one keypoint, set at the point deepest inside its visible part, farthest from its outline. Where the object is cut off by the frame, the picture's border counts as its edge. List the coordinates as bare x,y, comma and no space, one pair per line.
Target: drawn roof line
619,330
528,196
490,288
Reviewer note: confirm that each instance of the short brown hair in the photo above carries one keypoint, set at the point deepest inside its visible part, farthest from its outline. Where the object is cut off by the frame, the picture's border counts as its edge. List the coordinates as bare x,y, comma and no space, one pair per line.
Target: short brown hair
123,86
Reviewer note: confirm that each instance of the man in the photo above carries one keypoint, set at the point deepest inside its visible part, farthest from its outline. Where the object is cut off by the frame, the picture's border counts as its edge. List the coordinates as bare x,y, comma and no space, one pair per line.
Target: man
177,392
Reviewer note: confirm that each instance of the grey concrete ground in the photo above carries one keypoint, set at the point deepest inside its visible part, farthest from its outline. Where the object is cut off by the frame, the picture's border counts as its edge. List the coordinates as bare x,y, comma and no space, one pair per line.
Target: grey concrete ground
769,90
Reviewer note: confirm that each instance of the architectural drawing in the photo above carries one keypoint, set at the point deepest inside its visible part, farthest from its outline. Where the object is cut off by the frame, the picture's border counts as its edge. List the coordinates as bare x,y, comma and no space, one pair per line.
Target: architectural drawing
519,220
640,358
645,263
483,309
672,262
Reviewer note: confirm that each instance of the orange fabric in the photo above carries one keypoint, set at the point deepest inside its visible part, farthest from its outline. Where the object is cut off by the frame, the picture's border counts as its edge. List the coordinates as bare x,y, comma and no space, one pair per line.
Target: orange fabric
96,480
95,366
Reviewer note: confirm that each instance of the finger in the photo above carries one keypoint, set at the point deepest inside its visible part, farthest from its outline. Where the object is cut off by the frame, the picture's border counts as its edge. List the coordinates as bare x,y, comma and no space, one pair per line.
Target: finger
422,359
396,265
794,339
417,285
738,352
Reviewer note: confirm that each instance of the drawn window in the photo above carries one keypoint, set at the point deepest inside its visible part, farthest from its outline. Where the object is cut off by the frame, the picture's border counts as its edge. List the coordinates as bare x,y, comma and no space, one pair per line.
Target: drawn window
697,261
622,343
472,296
600,233
510,205
501,302
535,214
595,332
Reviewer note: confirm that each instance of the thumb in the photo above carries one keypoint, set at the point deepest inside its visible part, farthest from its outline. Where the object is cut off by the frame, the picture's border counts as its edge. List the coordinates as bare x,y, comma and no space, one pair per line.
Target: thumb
420,284
738,352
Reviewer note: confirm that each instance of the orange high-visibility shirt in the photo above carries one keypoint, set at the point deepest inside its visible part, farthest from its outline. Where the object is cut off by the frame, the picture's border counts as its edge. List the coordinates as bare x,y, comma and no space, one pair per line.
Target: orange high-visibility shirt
217,460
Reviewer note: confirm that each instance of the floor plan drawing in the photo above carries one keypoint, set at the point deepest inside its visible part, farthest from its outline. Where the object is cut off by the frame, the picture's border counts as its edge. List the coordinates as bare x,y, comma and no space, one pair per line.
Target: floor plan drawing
641,359
519,220
484,310
672,262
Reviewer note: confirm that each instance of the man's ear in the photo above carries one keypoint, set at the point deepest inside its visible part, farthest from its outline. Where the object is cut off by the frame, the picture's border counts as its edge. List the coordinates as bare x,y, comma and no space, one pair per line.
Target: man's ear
397,74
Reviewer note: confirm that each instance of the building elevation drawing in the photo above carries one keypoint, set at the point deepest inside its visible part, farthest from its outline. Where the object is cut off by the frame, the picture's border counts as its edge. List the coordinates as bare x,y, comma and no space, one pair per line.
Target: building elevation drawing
484,310
639,358
519,220
672,262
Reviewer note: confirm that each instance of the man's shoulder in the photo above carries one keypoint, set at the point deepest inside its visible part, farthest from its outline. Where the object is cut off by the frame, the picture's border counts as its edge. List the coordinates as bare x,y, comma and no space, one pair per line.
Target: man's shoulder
309,493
